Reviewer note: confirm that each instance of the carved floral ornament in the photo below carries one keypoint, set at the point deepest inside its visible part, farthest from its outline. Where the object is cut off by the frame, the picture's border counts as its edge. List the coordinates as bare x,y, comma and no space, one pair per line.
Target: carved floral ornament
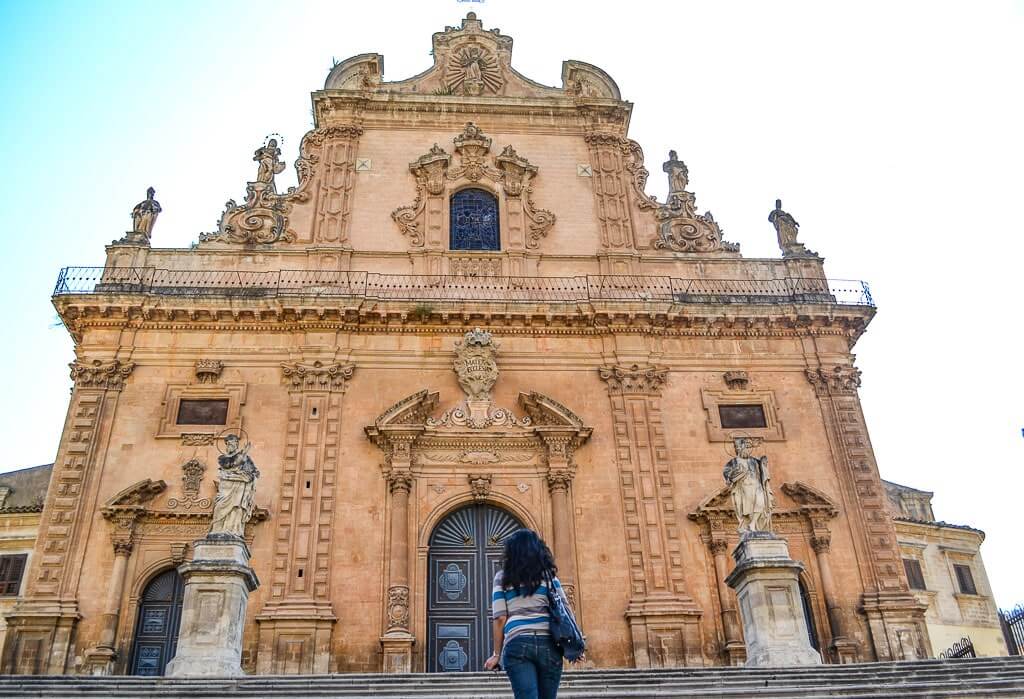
839,380
99,374
208,370
434,176
634,379
317,376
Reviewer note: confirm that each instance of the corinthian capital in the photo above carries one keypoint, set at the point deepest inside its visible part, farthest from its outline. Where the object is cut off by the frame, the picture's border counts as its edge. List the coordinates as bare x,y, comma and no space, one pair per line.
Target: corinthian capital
317,376
837,381
634,379
99,374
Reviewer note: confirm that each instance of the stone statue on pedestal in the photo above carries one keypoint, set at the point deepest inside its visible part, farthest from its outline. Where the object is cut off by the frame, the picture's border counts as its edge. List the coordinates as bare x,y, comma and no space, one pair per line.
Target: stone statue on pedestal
678,174
233,506
787,230
143,219
750,485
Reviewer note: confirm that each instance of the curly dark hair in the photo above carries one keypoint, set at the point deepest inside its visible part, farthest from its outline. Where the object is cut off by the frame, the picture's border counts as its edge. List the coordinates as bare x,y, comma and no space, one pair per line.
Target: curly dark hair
527,563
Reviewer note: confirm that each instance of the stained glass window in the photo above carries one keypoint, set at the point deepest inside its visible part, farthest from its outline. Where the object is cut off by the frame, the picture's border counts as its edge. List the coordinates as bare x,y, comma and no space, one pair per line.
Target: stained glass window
474,221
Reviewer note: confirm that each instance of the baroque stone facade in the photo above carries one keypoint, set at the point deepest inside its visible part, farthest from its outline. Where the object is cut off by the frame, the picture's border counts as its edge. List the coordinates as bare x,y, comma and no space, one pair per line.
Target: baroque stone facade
421,372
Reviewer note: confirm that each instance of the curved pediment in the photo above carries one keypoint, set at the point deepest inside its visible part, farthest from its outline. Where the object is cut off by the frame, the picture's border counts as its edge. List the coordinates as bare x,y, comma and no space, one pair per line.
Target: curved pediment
411,410
547,412
137,494
471,61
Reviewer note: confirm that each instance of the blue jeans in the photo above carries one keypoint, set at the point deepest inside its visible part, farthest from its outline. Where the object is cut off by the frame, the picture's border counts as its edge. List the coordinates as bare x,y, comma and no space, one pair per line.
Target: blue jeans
533,666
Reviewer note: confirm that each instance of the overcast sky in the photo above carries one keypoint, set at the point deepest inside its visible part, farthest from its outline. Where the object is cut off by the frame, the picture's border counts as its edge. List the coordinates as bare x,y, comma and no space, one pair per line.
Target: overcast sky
891,130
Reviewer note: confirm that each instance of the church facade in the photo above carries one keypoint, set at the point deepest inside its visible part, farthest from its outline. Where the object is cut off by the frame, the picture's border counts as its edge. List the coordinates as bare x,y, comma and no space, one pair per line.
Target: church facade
467,317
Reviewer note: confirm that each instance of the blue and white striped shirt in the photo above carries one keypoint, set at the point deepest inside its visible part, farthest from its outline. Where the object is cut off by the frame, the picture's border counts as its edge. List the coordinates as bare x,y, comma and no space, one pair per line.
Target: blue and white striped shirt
522,612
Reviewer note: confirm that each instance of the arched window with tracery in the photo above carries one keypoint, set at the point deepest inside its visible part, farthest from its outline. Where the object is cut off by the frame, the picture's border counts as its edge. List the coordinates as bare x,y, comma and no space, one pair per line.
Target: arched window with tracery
474,221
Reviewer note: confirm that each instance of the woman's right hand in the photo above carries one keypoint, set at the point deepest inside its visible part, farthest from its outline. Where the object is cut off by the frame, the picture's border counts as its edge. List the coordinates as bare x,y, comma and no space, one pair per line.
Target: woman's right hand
492,662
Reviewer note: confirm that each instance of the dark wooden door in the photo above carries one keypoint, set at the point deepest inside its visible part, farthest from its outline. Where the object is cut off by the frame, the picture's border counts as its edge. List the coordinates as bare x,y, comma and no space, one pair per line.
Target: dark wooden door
465,553
156,629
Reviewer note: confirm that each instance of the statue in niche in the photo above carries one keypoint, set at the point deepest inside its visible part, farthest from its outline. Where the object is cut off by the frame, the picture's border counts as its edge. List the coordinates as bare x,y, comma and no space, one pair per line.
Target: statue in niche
750,486
678,175
143,219
270,164
236,489
787,229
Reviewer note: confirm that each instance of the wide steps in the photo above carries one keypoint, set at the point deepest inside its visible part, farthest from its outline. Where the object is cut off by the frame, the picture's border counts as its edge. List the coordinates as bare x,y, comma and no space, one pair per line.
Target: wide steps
976,678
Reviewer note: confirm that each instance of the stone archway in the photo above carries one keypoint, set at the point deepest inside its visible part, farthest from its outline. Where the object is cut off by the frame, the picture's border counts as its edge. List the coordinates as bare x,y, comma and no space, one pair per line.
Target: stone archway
465,553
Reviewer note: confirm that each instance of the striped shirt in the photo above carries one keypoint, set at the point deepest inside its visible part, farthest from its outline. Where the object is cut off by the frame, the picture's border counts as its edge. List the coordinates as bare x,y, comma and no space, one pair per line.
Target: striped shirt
522,612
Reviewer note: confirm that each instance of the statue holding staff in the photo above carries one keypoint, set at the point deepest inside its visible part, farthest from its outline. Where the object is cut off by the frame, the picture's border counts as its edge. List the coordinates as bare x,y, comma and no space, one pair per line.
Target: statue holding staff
236,489
750,486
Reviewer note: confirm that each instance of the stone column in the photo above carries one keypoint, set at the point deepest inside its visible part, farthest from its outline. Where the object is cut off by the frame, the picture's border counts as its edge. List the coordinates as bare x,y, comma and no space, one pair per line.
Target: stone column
397,640
99,660
843,649
561,517
734,648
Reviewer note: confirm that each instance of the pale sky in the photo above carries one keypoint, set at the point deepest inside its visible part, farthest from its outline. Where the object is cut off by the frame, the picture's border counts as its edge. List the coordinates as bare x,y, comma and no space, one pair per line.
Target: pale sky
891,130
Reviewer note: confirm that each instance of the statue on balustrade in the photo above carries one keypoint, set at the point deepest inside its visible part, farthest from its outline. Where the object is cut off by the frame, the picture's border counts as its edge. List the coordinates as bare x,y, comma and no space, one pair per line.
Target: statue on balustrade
143,219
750,485
236,489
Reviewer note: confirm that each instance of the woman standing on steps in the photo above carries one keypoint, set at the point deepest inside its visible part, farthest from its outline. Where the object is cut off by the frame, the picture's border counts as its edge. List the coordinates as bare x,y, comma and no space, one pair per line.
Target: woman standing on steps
522,639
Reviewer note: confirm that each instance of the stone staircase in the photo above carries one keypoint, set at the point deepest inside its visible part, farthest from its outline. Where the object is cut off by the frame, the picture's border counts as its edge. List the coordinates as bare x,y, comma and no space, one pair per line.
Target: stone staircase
975,678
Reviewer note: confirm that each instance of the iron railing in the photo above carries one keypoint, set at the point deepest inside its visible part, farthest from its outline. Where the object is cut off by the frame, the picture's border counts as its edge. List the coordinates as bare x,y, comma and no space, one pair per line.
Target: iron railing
964,648
1012,623
430,288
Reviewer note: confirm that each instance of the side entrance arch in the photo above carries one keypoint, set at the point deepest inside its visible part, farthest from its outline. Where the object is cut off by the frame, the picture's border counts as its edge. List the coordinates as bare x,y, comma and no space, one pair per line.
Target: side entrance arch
465,553
156,628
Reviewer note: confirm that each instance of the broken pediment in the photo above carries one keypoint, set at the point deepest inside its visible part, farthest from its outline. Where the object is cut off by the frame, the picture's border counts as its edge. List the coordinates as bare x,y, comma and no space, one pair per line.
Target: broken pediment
470,61
807,501
137,494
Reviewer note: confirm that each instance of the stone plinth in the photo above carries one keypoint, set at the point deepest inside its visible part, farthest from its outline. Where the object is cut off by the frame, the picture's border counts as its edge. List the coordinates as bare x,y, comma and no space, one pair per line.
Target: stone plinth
766,583
218,581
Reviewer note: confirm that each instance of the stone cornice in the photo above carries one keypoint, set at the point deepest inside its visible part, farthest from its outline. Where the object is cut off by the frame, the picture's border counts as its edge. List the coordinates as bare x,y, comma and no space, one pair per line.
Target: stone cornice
581,319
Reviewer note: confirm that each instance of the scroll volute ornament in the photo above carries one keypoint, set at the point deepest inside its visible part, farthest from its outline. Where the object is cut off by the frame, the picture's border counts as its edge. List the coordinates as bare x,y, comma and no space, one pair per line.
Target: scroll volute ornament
681,228
475,364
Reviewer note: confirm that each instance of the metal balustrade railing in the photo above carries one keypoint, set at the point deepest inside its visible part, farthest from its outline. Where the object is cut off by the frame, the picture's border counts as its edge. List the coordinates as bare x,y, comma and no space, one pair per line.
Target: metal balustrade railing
434,288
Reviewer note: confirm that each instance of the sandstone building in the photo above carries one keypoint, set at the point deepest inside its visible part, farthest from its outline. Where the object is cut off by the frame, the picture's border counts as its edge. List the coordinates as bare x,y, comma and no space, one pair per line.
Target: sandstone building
467,317
946,572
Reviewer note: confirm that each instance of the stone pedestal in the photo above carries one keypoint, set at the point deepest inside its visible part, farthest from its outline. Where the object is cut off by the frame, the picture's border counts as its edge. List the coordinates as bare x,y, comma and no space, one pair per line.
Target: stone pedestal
766,583
218,581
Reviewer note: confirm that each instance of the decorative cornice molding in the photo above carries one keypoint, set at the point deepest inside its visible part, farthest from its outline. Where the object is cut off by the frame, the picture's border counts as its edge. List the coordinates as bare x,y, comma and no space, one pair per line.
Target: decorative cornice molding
317,376
634,379
102,375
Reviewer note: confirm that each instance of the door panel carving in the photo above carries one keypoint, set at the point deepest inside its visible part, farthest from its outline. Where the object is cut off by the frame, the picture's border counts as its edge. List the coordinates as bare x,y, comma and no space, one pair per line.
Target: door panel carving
465,553
156,631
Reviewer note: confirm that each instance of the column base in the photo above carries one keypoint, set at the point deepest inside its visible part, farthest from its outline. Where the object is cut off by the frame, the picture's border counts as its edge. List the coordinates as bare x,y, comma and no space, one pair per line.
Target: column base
896,622
99,661
397,647
38,639
766,581
218,581
844,651
665,632
295,639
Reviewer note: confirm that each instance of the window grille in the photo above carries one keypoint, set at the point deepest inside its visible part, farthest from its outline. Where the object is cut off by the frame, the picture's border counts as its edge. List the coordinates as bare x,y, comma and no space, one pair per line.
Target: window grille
474,221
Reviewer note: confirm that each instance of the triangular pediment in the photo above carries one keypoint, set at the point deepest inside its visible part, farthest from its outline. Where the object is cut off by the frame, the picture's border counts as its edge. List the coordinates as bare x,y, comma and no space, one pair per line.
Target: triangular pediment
470,61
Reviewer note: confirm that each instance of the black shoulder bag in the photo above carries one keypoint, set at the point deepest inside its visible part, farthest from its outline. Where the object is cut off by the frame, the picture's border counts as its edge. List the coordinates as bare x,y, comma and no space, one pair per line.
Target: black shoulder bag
565,632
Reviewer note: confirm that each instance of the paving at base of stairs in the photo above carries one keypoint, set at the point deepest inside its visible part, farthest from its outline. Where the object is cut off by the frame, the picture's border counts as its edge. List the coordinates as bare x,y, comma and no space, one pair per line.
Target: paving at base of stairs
976,678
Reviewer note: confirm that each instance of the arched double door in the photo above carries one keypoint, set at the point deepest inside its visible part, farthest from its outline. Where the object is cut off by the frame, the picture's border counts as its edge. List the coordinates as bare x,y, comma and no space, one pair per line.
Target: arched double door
465,553
157,625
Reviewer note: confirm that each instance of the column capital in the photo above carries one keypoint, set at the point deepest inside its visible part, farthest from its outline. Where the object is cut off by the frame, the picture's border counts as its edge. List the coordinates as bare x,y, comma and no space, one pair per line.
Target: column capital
821,543
316,376
123,547
559,481
100,374
635,379
399,482
834,381
718,546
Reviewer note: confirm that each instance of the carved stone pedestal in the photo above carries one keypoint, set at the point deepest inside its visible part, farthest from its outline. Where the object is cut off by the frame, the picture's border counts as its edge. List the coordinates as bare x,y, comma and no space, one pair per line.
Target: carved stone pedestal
766,581
397,647
218,581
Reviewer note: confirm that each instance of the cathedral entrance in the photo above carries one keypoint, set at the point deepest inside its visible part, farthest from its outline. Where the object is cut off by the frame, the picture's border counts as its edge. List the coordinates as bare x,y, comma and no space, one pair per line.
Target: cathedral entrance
465,553
156,630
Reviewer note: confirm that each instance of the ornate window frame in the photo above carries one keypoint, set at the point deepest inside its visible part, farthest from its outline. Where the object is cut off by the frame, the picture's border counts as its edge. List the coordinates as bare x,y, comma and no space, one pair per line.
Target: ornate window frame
493,195
711,400
175,393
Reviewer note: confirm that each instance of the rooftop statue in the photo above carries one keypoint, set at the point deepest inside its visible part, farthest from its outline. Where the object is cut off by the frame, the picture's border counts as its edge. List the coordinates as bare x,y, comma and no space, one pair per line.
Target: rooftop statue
787,229
269,158
750,485
143,219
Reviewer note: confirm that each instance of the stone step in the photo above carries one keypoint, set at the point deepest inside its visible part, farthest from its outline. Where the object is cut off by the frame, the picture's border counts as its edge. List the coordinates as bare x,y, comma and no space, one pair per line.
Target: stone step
976,678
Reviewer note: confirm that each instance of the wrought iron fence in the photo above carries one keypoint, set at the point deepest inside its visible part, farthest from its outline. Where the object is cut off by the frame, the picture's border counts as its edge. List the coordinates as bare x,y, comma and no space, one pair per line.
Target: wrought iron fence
1012,623
433,288
963,648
